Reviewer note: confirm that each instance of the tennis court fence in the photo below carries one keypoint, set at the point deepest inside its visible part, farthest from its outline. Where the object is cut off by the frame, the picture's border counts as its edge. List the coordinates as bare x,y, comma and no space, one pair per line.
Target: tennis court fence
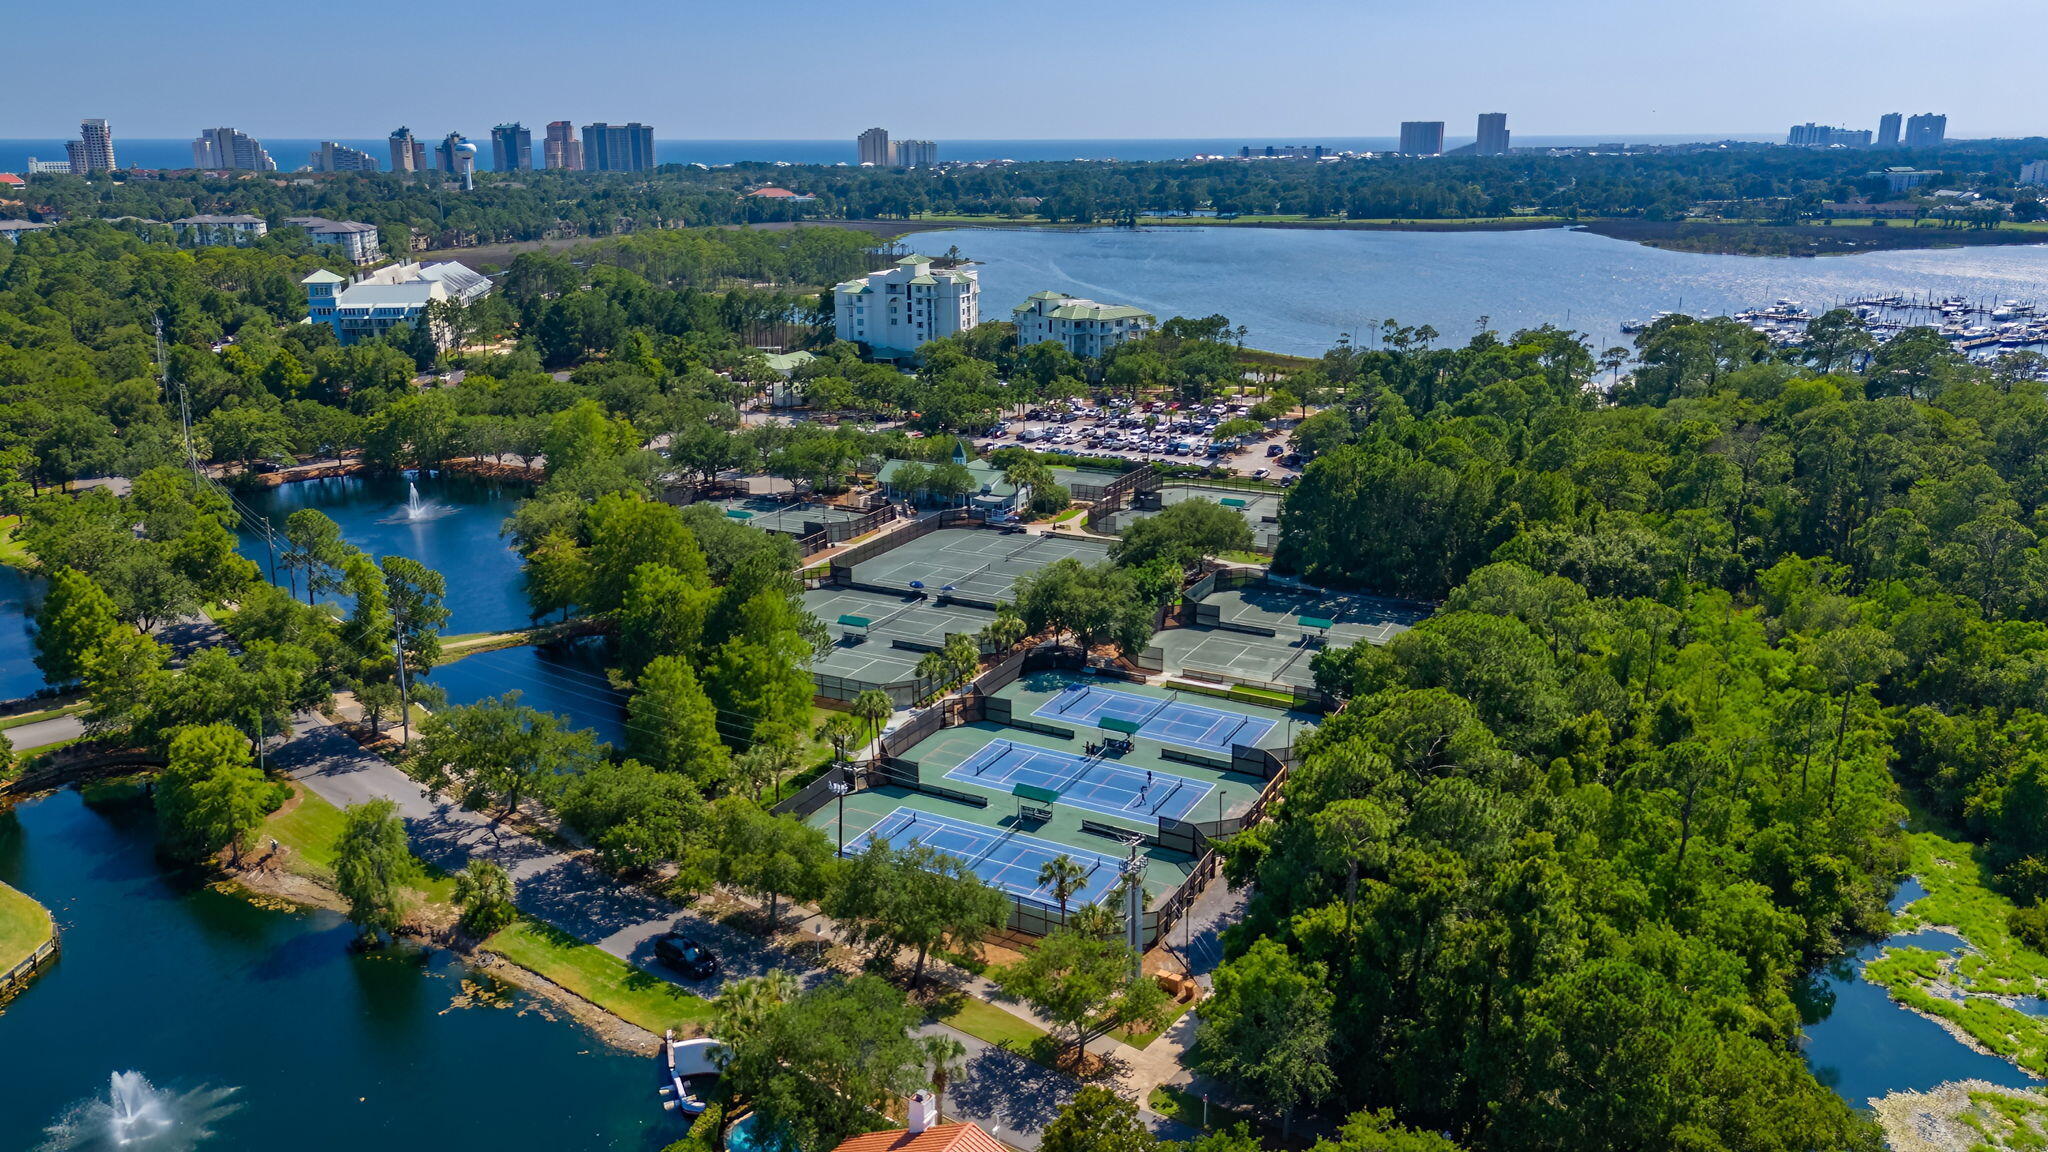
842,564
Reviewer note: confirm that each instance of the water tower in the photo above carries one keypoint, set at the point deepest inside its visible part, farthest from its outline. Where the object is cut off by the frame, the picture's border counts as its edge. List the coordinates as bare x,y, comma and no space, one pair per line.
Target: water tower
465,165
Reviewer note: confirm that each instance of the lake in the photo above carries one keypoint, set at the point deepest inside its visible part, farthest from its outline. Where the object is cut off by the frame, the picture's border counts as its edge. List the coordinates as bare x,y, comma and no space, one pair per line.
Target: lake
456,534
566,679
326,1050
1296,289
19,675
1863,1044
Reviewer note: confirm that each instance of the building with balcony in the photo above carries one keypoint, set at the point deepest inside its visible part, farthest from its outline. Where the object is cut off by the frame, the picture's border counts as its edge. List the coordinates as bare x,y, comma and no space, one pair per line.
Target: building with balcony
209,231
354,237
895,310
1083,327
374,303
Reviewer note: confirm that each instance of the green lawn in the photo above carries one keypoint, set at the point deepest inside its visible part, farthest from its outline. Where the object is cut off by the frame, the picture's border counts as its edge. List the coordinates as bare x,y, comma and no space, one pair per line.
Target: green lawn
600,977
985,1021
1144,1039
1186,1107
24,925
11,551
310,831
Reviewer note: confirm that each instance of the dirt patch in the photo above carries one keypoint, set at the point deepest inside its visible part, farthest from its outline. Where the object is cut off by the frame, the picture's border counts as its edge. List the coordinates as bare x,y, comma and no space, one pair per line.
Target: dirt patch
1948,1120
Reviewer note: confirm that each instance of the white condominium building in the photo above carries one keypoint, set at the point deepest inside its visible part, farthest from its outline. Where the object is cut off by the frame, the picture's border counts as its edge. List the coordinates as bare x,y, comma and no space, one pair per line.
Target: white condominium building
1083,327
211,231
373,303
895,310
356,238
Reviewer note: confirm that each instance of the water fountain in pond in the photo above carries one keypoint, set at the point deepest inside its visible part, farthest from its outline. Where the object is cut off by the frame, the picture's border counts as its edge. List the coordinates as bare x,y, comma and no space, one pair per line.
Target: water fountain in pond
139,1116
416,509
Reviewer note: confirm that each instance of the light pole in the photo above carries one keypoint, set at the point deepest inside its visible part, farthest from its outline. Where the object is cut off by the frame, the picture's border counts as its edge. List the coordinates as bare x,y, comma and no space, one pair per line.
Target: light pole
839,789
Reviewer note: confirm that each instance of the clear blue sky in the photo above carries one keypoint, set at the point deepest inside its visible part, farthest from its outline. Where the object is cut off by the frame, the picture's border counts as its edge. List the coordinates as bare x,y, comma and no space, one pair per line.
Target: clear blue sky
967,69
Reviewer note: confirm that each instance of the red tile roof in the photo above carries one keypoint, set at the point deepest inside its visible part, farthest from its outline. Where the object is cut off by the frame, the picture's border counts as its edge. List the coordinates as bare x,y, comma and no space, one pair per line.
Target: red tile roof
11,178
776,192
938,1138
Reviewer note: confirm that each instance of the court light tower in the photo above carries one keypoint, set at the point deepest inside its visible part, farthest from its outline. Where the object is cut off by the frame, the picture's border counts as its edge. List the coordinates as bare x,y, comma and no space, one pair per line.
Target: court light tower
839,789
1134,904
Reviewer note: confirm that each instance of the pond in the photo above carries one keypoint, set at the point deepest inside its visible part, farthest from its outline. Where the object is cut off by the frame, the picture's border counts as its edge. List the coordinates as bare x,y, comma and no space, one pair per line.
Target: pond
1864,1045
1296,289
19,675
566,679
323,1049
448,522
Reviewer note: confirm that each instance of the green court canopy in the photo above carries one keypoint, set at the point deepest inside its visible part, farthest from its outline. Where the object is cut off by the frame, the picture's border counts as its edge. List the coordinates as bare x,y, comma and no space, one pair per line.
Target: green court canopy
852,621
1314,622
1119,724
1234,502
739,513
1034,792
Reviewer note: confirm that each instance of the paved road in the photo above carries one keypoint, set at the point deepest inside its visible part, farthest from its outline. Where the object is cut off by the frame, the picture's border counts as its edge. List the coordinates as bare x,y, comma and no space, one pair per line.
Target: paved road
1010,1096
45,732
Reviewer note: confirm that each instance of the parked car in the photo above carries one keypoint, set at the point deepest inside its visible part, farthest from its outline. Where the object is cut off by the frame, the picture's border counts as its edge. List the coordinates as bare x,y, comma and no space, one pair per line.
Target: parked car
1275,449
686,955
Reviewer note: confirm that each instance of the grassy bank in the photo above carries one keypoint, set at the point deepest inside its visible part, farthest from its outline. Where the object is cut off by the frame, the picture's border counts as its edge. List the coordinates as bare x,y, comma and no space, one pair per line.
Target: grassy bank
625,991
309,831
1959,896
24,926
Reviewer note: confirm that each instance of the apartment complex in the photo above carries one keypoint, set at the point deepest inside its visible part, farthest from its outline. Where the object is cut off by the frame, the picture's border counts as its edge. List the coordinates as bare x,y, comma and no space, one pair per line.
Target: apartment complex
225,149
1888,130
1493,134
618,147
2034,172
561,149
876,150
209,231
1926,130
93,151
333,157
354,237
917,153
374,303
511,148
408,154
898,308
1811,135
1083,327
1422,137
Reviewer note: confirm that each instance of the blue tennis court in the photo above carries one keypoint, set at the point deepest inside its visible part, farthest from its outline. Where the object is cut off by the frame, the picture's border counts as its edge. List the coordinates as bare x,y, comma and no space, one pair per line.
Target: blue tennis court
1009,861
1166,720
1088,782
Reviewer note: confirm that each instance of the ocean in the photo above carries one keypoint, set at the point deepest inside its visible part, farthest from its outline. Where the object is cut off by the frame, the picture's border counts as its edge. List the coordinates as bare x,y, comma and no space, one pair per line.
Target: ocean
292,153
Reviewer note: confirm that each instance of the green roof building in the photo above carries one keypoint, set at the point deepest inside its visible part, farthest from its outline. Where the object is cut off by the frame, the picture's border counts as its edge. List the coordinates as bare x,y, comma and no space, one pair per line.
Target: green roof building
1084,327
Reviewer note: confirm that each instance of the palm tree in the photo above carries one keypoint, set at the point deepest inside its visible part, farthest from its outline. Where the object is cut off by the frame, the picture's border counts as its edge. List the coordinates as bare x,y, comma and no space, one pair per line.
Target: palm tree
841,730
932,668
1003,631
1064,875
875,707
945,1055
962,653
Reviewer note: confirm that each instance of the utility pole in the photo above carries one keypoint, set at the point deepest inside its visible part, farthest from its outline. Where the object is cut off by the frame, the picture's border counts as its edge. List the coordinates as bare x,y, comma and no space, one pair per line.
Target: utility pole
1134,906
270,549
404,700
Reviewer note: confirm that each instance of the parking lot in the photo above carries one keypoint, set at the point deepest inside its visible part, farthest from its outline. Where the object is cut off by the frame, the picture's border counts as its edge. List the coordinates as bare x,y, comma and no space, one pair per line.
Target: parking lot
1157,432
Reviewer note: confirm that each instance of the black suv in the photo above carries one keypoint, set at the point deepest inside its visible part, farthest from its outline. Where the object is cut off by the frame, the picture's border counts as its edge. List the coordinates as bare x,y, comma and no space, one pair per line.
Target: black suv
686,956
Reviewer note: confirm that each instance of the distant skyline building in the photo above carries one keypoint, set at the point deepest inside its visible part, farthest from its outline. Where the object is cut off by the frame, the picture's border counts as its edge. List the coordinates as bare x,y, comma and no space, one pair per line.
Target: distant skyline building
408,153
1811,135
618,147
448,153
561,149
2034,172
873,146
93,151
1888,130
1422,137
333,157
50,167
1493,134
1926,130
916,153
229,150
511,148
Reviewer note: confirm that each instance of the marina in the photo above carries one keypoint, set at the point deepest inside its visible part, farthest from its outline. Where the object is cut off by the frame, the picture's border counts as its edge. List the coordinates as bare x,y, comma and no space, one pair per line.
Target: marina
1984,330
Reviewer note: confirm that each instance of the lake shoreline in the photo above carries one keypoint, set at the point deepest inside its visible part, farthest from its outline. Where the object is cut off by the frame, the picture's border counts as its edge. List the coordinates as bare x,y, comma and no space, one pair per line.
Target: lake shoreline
1701,237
